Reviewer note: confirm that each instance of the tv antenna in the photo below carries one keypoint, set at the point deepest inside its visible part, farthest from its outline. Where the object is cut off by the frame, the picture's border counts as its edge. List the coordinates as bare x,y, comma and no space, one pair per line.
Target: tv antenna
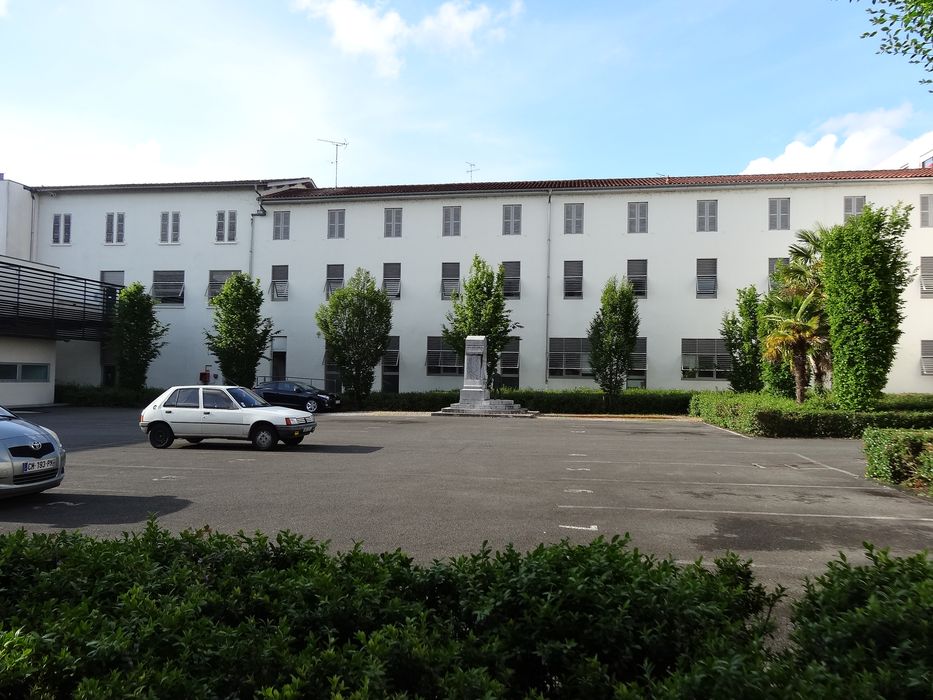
472,169
337,146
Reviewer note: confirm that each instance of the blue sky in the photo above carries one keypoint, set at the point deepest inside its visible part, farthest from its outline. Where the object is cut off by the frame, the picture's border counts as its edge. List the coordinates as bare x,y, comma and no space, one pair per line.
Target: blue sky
101,91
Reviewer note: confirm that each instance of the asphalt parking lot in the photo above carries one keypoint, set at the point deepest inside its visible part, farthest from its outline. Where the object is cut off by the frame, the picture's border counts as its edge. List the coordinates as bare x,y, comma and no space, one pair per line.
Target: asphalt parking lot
437,487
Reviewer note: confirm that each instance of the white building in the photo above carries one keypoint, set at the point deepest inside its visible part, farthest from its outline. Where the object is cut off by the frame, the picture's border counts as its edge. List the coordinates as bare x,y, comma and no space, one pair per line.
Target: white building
686,242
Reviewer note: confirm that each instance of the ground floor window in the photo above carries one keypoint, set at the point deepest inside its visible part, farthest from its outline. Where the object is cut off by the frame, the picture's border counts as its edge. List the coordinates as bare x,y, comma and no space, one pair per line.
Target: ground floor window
705,358
569,357
24,372
440,359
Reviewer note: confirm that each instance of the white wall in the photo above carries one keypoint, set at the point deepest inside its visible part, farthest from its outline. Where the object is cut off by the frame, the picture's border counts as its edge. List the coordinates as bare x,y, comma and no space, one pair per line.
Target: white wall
22,350
15,219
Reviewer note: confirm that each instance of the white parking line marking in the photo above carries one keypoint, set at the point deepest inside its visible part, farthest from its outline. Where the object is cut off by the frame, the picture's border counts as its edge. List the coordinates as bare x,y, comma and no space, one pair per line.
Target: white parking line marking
576,454
81,465
577,469
735,483
730,432
753,512
167,477
577,431
588,528
578,491
826,466
70,504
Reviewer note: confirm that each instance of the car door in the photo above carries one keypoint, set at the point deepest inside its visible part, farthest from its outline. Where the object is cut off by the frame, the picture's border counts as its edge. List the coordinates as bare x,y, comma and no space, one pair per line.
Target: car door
220,415
292,395
182,411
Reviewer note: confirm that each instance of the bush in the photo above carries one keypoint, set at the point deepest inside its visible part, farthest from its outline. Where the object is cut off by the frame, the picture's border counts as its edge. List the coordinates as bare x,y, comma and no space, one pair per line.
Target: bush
900,456
86,395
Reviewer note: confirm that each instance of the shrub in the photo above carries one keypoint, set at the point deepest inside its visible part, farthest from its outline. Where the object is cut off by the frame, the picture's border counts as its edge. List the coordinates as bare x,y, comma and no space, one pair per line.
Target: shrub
899,456
86,395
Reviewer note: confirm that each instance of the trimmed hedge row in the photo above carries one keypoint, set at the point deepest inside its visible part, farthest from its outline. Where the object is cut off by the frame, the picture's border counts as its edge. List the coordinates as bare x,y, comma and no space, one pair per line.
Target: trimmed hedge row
769,416
203,614
900,456
87,395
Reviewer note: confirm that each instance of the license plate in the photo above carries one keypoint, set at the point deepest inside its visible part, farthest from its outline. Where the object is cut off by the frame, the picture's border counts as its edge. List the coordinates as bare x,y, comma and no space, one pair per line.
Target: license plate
39,465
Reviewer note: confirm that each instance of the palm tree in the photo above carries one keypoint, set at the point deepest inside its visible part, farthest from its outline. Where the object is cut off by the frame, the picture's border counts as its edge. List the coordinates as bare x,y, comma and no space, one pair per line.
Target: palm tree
798,333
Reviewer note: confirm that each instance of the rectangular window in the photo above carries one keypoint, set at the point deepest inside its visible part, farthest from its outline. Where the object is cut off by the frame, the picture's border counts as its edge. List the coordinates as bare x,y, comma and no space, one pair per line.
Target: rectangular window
393,222
278,290
638,217
706,278
170,227
637,275
772,266
226,227
61,229
450,225
281,222
336,221
114,227
390,363
392,279
779,214
638,372
926,210
216,280
334,279
25,372
441,359
511,219
705,358
573,218
9,372
707,215
450,279
569,357
114,277
573,279
168,287
926,278
852,206
926,357
509,363
512,279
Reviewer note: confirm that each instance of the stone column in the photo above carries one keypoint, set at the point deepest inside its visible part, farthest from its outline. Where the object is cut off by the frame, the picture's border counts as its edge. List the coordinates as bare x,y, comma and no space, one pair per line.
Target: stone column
474,371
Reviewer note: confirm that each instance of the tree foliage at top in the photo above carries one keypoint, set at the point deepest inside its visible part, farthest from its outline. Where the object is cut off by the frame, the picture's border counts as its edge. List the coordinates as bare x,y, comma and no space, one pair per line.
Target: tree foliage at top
865,272
739,332
906,28
136,338
241,334
612,334
355,322
479,309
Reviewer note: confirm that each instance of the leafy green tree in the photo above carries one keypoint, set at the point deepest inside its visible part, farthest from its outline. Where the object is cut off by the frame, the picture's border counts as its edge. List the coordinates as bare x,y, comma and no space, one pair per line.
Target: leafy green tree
776,376
241,334
479,309
739,332
796,329
136,337
865,272
612,334
355,322
906,28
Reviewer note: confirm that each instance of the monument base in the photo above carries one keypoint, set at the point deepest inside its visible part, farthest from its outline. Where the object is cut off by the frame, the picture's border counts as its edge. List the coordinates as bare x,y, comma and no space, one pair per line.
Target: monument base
489,407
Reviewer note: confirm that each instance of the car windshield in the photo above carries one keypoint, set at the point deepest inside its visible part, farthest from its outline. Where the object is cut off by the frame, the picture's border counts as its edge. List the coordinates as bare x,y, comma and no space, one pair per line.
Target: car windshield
306,387
5,414
246,398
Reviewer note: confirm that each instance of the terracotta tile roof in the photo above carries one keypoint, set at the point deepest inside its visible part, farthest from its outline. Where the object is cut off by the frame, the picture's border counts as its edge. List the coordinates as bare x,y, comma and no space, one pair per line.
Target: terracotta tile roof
311,193
207,185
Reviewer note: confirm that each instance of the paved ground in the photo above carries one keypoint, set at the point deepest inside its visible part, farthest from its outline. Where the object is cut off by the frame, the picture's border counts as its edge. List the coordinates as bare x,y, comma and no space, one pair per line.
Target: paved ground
436,487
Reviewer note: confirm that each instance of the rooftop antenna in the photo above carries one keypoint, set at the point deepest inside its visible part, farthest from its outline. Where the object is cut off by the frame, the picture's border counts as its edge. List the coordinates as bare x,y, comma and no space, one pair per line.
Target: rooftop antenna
337,146
472,169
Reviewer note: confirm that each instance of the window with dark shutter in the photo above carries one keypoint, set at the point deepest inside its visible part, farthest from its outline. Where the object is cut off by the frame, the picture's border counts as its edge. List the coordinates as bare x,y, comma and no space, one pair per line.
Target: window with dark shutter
512,279
450,279
705,358
926,278
926,357
334,279
637,275
926,210
168,287
569,357
441,359
278,289
392,279
573,279
706,278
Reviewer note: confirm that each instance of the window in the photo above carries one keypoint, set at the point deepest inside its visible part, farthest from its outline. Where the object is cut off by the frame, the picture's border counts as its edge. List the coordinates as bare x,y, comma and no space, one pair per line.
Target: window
450,279
184,398
393,222
573,218
509,363
217,399
114,277
512,278
390,362
216,280
926,357
336,221
705,358
638,277
926,278
707,215
638,217
638,372
440,359
61,229
511,219
334,279
779,214
706,278
926,210
113,280
772,266
281,221
114,227
170,227
852,206
569,357
450,221
278,289
168,287
24,372
226,227
573,279
392,279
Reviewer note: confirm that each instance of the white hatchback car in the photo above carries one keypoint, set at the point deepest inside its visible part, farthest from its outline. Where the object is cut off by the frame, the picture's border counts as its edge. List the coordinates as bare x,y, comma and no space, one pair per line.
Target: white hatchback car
196,413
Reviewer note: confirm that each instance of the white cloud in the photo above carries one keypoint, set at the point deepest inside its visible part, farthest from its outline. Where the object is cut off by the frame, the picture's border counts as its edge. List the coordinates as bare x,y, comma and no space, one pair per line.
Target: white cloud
4,6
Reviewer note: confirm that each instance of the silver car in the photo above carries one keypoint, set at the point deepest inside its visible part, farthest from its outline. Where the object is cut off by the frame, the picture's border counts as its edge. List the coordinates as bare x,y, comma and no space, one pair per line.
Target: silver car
196,413
32,458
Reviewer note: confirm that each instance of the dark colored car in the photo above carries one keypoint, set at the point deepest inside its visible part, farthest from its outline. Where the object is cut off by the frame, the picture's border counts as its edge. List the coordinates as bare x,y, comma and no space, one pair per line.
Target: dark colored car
306,397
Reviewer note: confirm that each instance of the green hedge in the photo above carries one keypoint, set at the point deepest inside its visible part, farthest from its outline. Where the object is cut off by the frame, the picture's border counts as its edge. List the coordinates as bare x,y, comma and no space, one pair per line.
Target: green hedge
900,456
86,395
769,416
203,614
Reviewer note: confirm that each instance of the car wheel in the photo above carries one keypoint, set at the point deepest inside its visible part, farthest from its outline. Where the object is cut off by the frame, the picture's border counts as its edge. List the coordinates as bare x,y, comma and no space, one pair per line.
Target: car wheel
293,442
160,436
311,406
194,441
264,437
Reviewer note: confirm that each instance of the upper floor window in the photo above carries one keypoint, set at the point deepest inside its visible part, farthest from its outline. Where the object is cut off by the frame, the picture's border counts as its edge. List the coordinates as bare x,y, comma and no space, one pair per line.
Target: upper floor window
512,279
216,281
278,290
336,221
450,225
852,206
926,278
926,210
168,287
170,227
707,282
926,357
638,277
114,277
779,214
334,279
393,222
638,217
114,227
573,279
573,218
61,229
392,279
512,219
226,226
707,215
281,221
450,279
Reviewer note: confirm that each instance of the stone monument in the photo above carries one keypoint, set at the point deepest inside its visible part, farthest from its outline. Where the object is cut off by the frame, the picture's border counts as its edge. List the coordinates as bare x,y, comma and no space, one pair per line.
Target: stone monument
474,396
